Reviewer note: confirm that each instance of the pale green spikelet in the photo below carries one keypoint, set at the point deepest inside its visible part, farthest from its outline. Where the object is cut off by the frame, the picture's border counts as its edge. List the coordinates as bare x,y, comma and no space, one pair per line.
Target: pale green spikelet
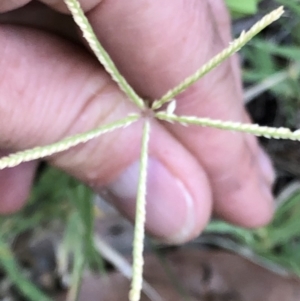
255,129
100,53
48,150
234,46
140,218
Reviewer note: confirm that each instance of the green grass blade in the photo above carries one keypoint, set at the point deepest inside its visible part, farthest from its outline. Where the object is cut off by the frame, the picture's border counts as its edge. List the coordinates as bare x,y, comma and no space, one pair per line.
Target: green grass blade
72,247
254,129
70,242
266,84
100,52
222,56
288,52
82,198
26,288
79,264
222,228
64,144
140,217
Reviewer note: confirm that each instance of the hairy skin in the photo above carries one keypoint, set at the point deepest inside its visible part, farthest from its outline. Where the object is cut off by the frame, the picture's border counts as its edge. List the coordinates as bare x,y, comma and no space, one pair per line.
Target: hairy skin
51,86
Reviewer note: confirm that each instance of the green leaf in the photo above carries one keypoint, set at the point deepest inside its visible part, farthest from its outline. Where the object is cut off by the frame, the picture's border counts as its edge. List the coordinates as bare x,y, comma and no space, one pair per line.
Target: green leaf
73,246
248,7
82,198
9,264
288,52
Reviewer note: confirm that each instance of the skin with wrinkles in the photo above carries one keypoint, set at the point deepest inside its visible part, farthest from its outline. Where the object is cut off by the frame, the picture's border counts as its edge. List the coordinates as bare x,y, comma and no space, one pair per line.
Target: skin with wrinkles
56,88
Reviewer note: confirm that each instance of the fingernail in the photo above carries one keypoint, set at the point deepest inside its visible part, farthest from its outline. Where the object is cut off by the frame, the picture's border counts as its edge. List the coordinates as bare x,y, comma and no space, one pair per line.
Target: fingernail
266,167
170,207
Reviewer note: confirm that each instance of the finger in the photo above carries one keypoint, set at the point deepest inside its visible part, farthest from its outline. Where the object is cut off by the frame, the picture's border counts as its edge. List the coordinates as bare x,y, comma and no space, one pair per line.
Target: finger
59,5
38,15
7,5
161,44
15,184
223,29
54,90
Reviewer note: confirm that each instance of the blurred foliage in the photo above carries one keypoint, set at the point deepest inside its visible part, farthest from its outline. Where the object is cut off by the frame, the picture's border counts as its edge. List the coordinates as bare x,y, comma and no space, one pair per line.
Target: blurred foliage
278,243
55,197
241,8
273,58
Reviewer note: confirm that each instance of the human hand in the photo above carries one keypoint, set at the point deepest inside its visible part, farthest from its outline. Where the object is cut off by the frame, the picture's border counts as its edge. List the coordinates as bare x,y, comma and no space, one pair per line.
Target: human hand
52,87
